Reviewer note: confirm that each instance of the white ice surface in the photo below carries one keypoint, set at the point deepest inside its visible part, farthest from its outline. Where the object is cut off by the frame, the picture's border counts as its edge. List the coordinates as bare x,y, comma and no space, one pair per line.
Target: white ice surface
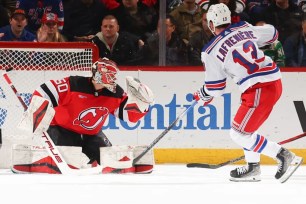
168,184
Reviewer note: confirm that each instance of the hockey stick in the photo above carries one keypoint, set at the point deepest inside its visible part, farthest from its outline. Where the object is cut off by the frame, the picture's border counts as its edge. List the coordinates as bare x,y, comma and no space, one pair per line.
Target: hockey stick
50,146
164,132
9,81
216,166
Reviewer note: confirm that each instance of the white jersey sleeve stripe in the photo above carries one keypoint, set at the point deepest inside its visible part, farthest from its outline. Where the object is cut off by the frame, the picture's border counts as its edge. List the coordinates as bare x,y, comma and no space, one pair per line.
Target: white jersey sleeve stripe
238,27
216,85
212,45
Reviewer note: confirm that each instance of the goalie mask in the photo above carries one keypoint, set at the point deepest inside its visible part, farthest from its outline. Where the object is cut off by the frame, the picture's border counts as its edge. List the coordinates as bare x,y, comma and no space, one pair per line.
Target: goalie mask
104,72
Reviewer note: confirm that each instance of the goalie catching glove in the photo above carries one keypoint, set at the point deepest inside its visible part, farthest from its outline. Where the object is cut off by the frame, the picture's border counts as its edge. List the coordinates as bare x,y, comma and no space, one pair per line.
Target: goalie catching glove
140,96
201,94
38,116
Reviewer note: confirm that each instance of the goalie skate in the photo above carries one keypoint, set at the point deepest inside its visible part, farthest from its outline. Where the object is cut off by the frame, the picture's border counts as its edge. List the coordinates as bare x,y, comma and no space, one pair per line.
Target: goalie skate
249,173
288,164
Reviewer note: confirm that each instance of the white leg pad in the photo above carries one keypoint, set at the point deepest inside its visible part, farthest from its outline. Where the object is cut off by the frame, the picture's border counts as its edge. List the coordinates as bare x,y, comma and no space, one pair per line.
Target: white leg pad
121,157
35,158
146,163
147,159
118,157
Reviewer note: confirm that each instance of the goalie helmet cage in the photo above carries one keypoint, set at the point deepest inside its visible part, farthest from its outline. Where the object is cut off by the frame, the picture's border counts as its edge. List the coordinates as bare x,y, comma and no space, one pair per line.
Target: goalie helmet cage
32,64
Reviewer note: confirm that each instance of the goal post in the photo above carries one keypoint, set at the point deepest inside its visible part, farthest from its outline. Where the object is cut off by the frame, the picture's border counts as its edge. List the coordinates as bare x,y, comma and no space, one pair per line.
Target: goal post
32,64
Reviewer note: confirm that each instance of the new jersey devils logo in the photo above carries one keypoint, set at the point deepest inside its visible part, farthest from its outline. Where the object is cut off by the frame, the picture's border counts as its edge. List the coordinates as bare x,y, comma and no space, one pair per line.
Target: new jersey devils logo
91,118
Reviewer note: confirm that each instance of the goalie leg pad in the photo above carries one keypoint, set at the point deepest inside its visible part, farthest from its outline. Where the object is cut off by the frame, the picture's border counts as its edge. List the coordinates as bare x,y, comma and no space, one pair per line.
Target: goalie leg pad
35,159
32,159
119,159
146,164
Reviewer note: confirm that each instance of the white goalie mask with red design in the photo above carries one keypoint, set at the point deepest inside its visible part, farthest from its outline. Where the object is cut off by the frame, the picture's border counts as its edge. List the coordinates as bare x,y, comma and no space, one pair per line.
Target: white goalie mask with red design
104,72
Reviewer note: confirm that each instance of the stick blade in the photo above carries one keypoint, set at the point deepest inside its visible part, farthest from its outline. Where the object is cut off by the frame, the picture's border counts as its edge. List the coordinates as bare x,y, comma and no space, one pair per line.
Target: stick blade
202,165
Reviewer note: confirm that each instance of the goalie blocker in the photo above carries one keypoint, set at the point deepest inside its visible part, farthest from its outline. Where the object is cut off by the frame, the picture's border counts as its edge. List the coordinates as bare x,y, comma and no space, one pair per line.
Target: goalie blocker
115,159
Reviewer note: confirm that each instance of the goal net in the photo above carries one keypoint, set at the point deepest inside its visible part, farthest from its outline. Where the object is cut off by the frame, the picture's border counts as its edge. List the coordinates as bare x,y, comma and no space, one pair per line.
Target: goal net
32,64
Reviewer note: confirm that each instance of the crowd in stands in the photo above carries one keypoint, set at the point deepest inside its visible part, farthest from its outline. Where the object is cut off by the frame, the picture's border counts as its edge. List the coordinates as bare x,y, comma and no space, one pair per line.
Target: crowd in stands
128,31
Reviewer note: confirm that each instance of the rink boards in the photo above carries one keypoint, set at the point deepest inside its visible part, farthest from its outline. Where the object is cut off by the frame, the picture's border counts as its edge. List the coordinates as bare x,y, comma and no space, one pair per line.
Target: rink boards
203,134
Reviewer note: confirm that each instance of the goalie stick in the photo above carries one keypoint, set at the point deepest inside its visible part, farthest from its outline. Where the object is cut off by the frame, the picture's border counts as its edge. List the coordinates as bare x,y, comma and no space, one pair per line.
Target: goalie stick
50,146
9,81
164,133
216,166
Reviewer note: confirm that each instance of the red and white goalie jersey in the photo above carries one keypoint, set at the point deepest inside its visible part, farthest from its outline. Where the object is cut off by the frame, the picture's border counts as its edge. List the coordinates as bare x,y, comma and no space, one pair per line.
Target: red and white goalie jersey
82,109
235,53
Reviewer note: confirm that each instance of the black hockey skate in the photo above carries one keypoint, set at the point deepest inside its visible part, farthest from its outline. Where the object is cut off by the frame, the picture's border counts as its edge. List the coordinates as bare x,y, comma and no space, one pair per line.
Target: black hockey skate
249,173
288,163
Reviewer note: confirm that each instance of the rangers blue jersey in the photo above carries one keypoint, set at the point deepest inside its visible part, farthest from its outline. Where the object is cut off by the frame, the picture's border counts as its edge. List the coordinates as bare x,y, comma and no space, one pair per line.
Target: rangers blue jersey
36,8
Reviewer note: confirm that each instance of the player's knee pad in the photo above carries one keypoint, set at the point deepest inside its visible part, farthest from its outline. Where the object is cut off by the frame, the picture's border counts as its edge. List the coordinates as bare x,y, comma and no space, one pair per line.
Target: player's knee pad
35,159
242,140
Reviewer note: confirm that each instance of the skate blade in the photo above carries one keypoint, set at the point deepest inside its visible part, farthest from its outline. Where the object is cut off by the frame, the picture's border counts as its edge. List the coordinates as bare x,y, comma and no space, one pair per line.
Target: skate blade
294,165
247,179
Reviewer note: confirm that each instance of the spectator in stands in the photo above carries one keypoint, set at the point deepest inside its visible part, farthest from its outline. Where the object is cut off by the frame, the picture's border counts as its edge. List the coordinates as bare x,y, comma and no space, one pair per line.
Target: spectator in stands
176,50
302,5
48,31
136,18
274,50
197,41
295,48
172,4
285,16
240,5
82,19
112,4
4,17
255,9
36,8
123,48
188,16
16,31
236,15
10,5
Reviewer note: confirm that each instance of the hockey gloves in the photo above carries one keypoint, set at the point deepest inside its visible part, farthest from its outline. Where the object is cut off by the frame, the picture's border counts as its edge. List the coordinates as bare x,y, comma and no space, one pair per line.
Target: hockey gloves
202,95
140,96
38,116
